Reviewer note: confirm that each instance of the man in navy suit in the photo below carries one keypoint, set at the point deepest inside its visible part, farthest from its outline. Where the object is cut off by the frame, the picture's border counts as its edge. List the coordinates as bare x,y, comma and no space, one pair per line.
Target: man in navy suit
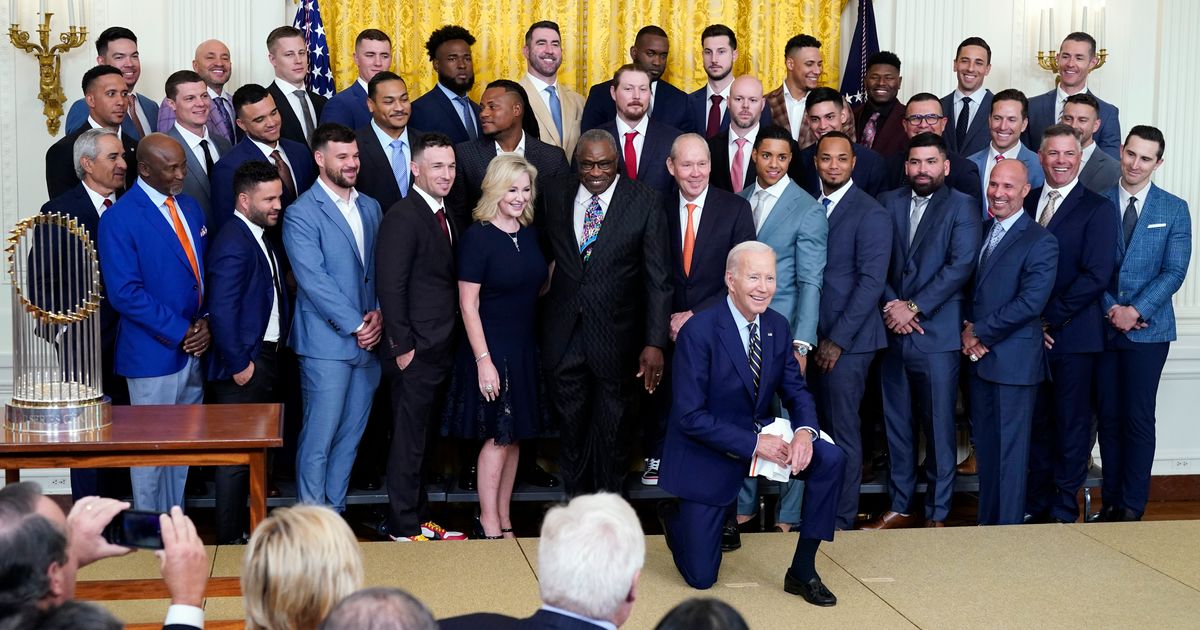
1099,171
969,105
1008,118
708,108
1076,60
117,46
152,246
667,104
447,108
1154,247
299,107
850,328
385,145
372,55
730,362
732,149
189,103
878,118
924,114
1086,227
824,108
1002,337
645,142
106,99
934,245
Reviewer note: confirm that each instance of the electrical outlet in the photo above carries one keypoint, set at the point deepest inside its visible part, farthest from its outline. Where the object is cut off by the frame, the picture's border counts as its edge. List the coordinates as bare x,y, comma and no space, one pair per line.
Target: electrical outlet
1183,464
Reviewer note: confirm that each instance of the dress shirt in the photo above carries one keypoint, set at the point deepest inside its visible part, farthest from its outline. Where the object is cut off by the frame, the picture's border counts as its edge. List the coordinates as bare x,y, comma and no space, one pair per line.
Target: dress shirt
98,200
1124,196
184,615
540,87
976,99
137,110
638,140
1086,155
607,625
363,84
709,93
349,210
120,134
520,150
296,102
385,141
160,201
267,150
743,326
1060,101
458,108
1010,154
193,143
1062,192
583,199
915,221
768,203
653,95
795,110
683,213
436,204
1005,226
835,196
747,149
272,332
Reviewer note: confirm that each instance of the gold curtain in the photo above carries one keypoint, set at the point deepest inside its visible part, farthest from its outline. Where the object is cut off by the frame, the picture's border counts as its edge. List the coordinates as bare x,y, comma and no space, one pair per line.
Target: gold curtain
596,35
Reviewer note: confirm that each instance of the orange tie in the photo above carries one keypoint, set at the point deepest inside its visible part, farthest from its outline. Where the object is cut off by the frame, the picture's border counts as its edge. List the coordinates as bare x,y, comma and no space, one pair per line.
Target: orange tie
689,241
181,234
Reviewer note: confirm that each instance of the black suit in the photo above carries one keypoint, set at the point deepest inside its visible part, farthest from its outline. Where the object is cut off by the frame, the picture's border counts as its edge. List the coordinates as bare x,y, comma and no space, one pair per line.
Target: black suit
670,106
652,159
290,126
473,158
60,164
964,174
718,148
598,317
376,179
418,294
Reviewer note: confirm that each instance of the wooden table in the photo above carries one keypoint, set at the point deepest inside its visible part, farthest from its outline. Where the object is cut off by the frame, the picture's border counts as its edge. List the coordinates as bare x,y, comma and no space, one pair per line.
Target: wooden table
160,435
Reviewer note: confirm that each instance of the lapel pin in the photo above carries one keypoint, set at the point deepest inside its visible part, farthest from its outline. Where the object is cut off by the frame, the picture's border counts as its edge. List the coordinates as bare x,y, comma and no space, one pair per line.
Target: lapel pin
770,334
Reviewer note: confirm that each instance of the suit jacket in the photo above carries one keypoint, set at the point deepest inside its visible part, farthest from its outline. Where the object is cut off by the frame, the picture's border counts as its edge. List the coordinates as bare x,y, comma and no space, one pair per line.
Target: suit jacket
1152,267
697,114
1034,166
718,149
418,281
335,285
1009,292
964,174
798,232
725,221
978,133
60,162
933,272
1085,225
347,108
240,294
1041,115
290,125
889,135
304,171
715,414
150,282
1101,172
572,113
375,176
777,103
78,114
859,250
434,112
215,124
541,620
870,170
473,158
652,162
196,183
670,106
620,299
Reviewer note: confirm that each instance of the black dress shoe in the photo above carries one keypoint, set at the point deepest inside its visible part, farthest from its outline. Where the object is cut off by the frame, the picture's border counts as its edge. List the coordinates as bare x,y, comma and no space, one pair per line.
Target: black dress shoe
731,538
535,475
813,591
467,480
1107,514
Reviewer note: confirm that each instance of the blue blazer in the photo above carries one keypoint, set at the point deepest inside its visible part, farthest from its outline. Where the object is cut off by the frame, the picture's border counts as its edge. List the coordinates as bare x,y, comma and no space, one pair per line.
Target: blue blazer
240,294
798,232
78,114
1153,266
434,112
1009,293
1085,225
697,114
670,106
347,108
1030,158
1041,115
197,184
304,171
652,163
715,415
978,134
724,222
149,281
859,247
335,286
870,170
935,269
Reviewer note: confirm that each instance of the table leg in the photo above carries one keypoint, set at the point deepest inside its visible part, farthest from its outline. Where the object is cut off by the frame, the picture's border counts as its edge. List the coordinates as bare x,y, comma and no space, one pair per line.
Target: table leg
12,475
258,488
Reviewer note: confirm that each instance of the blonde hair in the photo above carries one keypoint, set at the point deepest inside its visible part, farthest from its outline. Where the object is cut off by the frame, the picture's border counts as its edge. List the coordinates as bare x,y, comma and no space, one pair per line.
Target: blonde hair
301,561
501,173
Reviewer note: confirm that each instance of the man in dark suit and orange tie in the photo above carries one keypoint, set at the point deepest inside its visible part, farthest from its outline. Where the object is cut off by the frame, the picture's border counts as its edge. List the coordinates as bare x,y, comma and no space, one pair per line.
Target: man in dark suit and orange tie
385,145
299,107
447,108
667,104
645,142
372,55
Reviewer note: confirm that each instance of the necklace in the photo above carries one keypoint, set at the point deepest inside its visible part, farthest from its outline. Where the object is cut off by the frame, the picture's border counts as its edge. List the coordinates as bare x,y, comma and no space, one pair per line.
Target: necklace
511,235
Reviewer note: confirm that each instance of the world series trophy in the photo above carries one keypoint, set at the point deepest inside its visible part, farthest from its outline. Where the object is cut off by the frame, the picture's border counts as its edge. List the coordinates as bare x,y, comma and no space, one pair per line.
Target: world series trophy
57,374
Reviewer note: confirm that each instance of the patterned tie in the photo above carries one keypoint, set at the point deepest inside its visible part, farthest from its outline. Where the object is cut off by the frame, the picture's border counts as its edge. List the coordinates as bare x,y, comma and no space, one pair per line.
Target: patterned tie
285,173
630,155
308,120
914,218
964,119
869,130
737,174
755,356
1129,219
181,234
468,117
208,161
689,241
227,128
1048,211
994,237
399,166
555,110
133,117
592,218
714,116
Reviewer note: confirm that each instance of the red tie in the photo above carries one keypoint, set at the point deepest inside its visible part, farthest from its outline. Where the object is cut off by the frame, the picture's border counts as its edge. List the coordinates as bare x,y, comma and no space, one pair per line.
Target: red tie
441,217
107,203
999,157
714,116
630,155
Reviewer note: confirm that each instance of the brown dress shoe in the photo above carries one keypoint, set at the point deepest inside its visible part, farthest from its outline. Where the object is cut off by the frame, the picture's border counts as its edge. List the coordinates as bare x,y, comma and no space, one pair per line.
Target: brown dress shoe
969,466
894,520
933,523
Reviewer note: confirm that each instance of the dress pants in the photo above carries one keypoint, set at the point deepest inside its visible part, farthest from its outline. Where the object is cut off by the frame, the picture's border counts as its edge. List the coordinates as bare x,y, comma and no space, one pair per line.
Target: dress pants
695,531
158,488
1061,437
838,395
1127,377
1001,416
919,391
417,393
337,398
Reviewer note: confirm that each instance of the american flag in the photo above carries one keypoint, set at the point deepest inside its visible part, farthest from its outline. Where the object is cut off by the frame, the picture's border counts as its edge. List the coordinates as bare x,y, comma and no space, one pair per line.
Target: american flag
320,76
863,44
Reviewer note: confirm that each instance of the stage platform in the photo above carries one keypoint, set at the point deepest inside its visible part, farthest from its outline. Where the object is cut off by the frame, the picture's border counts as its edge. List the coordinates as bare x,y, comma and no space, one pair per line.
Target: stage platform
1096,575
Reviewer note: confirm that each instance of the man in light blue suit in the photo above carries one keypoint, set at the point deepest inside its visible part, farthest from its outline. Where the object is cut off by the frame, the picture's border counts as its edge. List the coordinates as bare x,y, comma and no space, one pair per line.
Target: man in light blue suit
337,322
152,243
1076,59
1009,117
372,55
189,102
1153,249
117,47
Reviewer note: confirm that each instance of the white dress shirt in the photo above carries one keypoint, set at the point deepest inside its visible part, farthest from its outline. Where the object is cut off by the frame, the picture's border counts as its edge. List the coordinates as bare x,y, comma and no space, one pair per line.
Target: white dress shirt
1060,101
1086,155
160,201
267,150
349,210
520,150
638,140
272,332
435,204
137,110
98,200
583,199
1005,226
770,198
296,103
1124,195
683,213
976,99
835,196
795,110
1062,192
193,144
120,134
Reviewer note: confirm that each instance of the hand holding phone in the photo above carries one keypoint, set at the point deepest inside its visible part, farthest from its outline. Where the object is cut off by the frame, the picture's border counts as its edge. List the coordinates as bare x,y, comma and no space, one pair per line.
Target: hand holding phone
135,528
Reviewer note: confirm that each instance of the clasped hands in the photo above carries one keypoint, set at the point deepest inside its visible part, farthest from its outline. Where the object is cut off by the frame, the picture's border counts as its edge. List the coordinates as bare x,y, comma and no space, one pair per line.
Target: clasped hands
900,319
371,331
796,455
972,347
1125,318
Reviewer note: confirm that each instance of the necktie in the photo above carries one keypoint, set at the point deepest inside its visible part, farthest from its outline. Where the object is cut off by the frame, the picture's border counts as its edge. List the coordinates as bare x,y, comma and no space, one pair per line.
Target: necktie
737,173
133,117
999,157
208,161
914,218
755,356
281,305
227,128
826,201
107,203
555,110
591,227
1129,219
285,173
689,241
399,166
994,237
964,119
869,130
1048,211
630,155
443,223
714,116
181,234
308,120
760,198
468,117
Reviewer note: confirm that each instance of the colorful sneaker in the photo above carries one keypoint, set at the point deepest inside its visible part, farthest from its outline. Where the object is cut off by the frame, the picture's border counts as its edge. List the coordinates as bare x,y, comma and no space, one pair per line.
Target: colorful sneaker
417,538
433,531
650,477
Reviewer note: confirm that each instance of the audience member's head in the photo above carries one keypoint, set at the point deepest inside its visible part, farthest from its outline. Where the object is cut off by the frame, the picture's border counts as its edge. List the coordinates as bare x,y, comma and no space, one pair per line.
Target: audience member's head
596,160
212,62
34,567
66,616
745,103
630,91
288,54
433,164
702,613
380,609
972,63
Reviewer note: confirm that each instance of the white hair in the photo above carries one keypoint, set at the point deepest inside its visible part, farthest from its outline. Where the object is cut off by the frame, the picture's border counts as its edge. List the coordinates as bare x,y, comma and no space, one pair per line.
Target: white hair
734,259
590,551
88,146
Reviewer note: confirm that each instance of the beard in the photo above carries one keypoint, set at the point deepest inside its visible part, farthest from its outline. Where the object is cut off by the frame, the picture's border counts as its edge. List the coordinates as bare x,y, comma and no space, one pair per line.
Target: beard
341,179
455,85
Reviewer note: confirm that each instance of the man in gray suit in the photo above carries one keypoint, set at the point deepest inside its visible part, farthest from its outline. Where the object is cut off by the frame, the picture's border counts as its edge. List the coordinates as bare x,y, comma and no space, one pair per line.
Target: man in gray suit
1100,171
188,98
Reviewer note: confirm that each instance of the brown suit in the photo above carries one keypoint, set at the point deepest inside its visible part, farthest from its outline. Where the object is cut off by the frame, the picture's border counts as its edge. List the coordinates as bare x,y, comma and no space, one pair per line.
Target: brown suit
779,115
572,113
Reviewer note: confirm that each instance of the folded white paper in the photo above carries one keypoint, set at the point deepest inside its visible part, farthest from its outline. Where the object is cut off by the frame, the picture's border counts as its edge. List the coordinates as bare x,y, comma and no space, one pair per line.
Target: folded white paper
759,467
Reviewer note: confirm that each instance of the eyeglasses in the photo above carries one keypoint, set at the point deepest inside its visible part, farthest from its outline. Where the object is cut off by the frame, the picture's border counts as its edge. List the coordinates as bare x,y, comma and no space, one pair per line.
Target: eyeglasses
924,119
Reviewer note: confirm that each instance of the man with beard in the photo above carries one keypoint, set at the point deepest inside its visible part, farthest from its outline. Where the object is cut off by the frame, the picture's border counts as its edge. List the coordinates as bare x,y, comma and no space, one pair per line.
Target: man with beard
107,100
372,55
667,104
878,118
646,142
189,102
557,107
298,106
385,145
337,323
117,47
152,246
924,114
732,165
970,103
213,65
447,108
826,111
935,245
708,108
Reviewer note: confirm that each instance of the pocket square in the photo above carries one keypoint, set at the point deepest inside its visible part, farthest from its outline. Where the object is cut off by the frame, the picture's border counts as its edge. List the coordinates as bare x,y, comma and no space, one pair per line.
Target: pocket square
1155,225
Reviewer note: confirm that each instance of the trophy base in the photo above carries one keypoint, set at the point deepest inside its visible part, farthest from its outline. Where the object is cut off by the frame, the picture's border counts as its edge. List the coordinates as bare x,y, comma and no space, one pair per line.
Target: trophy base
50,419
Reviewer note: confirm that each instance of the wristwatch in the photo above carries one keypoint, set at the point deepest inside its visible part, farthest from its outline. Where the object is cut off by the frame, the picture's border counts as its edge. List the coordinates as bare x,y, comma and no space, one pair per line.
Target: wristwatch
912,306
801,347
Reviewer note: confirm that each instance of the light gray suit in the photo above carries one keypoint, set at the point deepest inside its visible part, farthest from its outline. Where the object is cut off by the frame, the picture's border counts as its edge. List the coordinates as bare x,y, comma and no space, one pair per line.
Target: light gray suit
1100,173
196,184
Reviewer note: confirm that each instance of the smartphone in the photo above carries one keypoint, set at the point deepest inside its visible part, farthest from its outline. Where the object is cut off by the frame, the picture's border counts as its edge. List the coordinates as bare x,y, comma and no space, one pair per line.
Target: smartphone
132,528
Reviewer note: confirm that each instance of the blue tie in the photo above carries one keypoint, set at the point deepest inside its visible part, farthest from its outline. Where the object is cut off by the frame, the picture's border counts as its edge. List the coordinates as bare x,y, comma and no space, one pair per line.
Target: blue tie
556,110
468,117
825,201
400,166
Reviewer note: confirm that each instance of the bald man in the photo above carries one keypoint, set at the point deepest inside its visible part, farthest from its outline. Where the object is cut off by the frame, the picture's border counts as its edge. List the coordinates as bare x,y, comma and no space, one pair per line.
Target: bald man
213,63
732,169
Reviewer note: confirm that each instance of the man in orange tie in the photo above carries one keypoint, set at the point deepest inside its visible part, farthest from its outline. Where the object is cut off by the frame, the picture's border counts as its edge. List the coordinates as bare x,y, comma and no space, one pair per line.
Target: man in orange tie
152,244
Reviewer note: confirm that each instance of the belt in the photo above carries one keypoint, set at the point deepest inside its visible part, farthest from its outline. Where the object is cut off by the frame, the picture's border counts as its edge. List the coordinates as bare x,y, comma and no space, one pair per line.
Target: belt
269,346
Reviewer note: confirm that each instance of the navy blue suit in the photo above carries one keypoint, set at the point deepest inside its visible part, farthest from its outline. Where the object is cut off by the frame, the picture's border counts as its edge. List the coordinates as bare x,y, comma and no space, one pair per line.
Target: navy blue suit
978,134
541,620
1085,225
670,106
711,436
434,112
1010,291
347,108
304,171
1041,115
652,161
697,114
859,250
870,170
919,372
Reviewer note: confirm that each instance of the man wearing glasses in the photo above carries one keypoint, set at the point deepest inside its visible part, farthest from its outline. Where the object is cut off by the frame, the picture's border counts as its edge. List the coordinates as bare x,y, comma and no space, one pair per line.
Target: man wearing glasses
924,114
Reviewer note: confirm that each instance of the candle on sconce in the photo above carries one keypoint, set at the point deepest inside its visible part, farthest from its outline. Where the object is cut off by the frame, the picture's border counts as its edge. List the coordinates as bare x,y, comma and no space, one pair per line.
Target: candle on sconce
1051,43
1084,27
42,7
1101,22
12,11
1041,42
71,13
